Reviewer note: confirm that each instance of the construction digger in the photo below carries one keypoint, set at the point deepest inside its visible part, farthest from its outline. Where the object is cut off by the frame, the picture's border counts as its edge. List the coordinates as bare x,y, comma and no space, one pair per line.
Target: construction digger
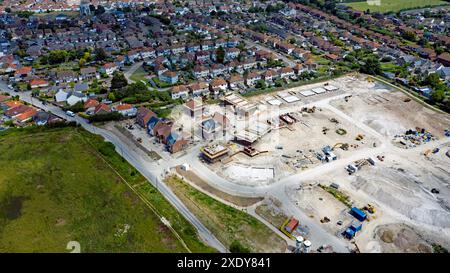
343,146
370,208
353,168
334,120
309,110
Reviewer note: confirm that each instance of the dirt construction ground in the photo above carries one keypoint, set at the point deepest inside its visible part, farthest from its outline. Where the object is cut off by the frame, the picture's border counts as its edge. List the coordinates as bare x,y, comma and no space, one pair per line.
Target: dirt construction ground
387,112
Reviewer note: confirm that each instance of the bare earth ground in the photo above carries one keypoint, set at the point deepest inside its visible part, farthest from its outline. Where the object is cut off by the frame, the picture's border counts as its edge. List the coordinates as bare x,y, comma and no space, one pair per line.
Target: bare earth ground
237,200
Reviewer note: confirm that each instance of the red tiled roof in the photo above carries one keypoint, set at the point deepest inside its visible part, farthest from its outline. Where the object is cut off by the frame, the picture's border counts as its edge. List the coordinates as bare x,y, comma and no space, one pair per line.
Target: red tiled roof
91,103
124,106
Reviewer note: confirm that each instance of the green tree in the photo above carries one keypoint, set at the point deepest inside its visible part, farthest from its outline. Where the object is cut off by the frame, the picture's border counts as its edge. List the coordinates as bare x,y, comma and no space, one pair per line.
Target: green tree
432,80
111,96
220,55
371,66
118,81
409,35
100,54
438,95
261,84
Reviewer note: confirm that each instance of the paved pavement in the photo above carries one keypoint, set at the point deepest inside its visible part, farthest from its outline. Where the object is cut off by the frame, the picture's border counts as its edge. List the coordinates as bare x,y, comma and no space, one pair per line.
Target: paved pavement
153,173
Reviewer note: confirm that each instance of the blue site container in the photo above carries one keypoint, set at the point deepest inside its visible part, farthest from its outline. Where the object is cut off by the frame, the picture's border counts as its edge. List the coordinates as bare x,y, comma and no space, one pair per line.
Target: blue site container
349,234
358,214
356,227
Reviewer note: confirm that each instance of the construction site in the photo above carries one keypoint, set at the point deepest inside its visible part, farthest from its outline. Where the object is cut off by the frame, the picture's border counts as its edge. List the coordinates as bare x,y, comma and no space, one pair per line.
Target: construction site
351,158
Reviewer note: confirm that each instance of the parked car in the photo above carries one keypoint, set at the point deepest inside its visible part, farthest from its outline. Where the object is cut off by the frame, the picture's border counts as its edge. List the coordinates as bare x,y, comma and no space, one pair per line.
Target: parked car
70,113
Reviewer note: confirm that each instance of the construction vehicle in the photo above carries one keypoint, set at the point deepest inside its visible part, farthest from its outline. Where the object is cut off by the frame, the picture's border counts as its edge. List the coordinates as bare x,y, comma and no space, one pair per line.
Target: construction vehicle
370,208
369,79
334,120
361,163
343,146
351,168
329,155
359,137
309,110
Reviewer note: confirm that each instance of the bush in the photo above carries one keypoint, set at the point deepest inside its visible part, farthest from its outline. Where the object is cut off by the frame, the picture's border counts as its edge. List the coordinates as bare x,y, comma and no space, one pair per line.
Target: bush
76,108
105,117
237,247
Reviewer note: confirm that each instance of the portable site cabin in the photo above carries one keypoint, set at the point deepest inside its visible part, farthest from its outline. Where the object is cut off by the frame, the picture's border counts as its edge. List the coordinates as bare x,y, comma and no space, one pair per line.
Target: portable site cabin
358,214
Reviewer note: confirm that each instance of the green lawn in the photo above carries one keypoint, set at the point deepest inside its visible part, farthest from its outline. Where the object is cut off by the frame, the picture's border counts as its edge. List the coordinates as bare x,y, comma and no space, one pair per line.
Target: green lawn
65,184
227,223
390,67
394,5
139,75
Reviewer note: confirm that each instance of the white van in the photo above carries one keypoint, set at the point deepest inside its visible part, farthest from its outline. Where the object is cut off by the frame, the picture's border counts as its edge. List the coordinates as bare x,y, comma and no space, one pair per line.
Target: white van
70,113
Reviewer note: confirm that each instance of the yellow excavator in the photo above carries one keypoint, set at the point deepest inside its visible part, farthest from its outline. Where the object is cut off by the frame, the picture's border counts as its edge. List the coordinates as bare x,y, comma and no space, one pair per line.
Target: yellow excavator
370,208
343,146
359,137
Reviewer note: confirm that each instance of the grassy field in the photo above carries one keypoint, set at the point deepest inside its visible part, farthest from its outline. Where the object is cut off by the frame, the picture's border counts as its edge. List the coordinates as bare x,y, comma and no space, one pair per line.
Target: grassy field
139,75
226,223
65,184
394,5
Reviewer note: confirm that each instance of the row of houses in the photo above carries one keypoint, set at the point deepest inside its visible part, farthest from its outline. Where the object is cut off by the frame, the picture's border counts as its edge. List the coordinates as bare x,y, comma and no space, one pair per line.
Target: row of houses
162,130
234,82
21,114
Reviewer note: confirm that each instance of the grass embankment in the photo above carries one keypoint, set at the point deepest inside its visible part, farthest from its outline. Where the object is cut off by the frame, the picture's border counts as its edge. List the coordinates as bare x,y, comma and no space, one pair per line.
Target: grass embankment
227,223
394,5
276,218
65,184
342,197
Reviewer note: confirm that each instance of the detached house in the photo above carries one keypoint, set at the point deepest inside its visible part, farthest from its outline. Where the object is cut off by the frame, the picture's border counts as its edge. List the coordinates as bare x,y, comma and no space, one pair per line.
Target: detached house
252,78
23,72
125,109
217,85
109,68
234,81
179,91
88,73
89,106
76,97
201,71
38,83
286,72
102,109
169,77
199,89
269,76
